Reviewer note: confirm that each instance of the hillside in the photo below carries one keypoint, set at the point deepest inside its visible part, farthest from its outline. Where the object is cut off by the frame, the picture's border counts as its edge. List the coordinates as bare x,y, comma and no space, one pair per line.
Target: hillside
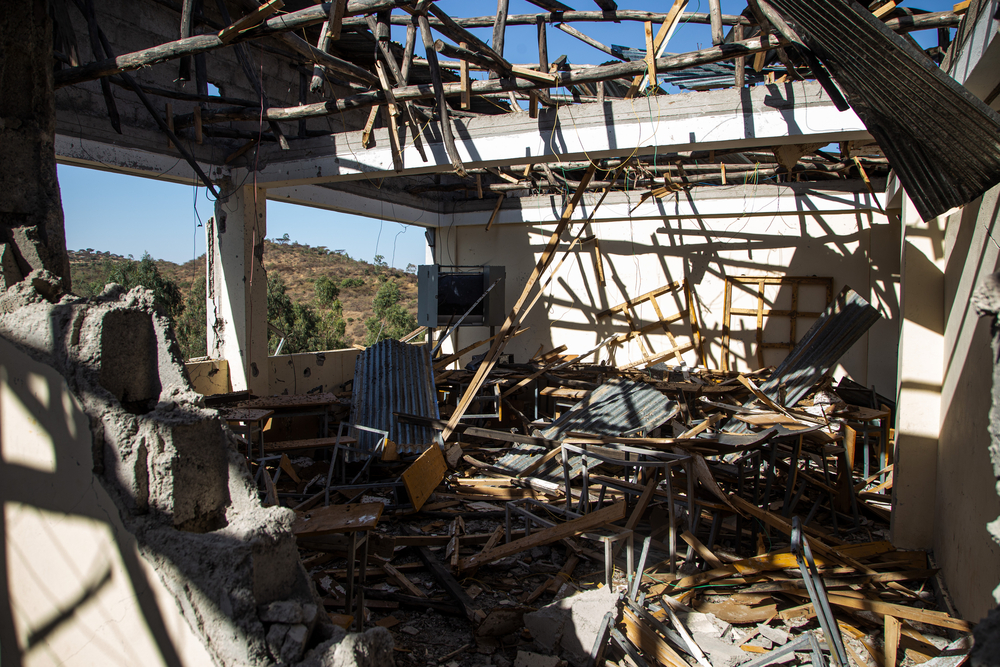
298,265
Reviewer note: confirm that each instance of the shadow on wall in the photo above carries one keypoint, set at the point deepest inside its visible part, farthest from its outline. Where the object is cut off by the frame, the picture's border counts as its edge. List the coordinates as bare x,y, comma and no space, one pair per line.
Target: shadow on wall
704,251
68,564
132,531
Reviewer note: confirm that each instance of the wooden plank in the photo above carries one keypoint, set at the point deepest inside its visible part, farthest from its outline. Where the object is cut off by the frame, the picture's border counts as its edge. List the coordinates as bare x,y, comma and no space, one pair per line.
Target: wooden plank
892,633
651,54
545,536
286,465
337,519
649,642
423,475
670,22
622,307
496,212
255,17
463,71
403,580
450,584
936,618
715,11
702,550
513,319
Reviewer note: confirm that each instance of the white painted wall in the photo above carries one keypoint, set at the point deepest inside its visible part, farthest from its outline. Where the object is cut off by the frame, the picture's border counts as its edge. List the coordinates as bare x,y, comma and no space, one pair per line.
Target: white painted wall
641,255
76,590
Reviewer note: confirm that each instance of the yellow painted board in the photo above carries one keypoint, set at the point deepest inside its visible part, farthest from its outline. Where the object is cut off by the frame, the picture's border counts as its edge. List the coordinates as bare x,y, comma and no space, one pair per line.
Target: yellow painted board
423,476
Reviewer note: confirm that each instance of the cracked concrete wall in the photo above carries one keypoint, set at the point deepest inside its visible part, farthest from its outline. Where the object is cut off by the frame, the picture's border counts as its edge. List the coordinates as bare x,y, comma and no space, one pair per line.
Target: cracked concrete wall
170,524
31,219
181,489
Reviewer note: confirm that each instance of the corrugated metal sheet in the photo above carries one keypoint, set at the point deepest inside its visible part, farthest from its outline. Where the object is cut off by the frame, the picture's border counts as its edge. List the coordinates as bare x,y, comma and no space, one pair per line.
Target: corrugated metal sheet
841,325
394,377
941,140
619,407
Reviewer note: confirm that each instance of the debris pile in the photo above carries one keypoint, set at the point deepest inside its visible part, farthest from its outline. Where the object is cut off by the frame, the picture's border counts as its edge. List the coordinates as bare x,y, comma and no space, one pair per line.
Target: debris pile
673,515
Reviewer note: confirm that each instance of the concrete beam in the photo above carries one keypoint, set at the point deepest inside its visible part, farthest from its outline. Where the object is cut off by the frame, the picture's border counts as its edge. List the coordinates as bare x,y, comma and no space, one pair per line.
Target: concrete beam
701,203
120,159
756,117
376,205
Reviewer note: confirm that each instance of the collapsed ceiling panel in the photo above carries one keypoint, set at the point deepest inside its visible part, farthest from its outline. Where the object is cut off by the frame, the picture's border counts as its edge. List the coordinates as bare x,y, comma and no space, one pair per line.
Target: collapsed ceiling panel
941,140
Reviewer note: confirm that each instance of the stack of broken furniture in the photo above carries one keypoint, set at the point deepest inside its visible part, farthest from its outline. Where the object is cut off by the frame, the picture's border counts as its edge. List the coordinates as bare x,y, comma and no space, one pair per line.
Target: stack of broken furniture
674,516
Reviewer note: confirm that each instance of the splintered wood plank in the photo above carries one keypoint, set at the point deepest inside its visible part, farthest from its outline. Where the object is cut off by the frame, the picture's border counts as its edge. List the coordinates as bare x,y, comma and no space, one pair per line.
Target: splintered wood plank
424,474
560,531
403,580
702,550
892,633
337,519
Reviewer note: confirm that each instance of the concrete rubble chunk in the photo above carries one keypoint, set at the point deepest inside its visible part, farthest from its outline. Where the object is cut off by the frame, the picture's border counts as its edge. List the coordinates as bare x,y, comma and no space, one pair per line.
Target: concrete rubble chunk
276,638
776,635
706,624
295,643
570,625
720,652
288,612
528,659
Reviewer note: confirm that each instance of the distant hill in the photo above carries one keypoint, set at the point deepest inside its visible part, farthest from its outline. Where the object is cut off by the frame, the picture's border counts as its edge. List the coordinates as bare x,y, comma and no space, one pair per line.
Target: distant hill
299,266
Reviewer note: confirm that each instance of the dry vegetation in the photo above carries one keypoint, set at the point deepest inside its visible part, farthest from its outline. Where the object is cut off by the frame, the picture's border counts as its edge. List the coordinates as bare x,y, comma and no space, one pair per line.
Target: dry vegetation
298,265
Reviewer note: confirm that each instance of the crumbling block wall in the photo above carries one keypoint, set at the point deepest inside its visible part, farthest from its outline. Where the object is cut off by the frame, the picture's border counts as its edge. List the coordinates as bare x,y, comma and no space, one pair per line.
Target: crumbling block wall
641,255
179,488
31,219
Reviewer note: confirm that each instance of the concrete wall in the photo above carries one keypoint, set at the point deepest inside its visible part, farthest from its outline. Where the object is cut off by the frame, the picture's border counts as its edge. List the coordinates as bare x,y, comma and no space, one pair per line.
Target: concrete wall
76,590
311,372
966,492
855,248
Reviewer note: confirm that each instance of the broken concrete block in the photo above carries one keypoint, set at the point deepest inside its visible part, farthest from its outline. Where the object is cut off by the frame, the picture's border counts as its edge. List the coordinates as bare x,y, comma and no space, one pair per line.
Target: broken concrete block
295,643
288,612
10,273
571,624
706,624
720,652
371,649
276,638
776,635
410,630
527,659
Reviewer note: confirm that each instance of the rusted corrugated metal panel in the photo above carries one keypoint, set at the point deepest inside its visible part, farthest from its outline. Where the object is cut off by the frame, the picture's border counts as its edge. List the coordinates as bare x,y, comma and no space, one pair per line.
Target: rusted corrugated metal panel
942,141
394,377
619,407
841,325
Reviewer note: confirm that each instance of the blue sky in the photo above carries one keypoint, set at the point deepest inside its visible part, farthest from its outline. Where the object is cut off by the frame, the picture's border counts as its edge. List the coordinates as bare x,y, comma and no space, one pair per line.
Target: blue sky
130,215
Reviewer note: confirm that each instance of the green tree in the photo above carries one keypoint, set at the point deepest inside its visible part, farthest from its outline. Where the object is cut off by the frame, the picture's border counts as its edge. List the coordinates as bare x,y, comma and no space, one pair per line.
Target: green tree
389,319
190,327
326,291
130,274
305,329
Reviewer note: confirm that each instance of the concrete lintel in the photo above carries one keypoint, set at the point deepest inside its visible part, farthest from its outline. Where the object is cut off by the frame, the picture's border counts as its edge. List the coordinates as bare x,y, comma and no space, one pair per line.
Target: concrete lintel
353,203
726,119
710,202
118,159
